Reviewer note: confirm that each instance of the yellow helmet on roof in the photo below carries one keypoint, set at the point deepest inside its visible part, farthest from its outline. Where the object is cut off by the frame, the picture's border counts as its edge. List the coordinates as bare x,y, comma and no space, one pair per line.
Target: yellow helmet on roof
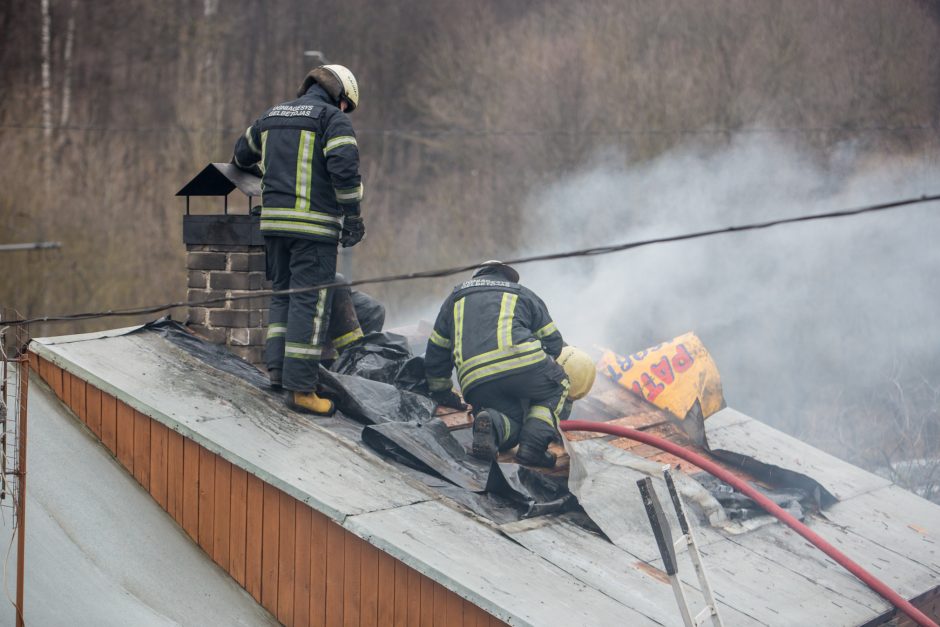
580,370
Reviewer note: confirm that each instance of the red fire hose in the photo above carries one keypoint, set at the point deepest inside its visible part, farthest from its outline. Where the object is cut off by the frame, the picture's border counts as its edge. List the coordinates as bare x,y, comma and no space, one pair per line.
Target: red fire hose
769,506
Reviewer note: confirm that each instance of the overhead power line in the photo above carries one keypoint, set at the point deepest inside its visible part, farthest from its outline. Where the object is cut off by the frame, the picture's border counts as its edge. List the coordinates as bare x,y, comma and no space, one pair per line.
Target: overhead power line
444,272
536,132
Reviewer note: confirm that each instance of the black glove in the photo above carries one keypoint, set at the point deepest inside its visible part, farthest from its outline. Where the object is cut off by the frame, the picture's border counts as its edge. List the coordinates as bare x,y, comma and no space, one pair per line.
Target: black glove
448,398
354,229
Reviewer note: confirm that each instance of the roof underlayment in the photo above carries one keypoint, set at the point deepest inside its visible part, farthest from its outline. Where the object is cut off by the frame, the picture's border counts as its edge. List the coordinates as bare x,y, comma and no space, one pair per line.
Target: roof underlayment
545,570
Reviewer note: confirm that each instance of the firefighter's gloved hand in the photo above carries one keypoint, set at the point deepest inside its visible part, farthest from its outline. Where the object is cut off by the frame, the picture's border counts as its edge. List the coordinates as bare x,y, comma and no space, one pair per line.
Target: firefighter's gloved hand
354,229
448,398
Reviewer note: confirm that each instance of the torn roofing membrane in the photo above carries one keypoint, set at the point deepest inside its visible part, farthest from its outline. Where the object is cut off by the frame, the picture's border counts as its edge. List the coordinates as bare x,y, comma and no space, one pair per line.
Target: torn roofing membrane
489,533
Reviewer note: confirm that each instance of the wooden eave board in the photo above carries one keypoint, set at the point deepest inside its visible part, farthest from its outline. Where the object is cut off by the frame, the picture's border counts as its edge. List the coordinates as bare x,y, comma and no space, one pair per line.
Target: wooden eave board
729,430
615,572
494,573
243,425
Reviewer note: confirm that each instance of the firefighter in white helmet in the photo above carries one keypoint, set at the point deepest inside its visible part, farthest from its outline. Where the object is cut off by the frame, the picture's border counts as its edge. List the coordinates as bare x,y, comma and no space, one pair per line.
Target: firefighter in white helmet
307,153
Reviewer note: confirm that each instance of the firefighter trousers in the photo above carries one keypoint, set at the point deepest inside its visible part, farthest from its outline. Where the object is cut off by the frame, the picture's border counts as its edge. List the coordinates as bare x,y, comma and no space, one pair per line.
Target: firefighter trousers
298,324
531,403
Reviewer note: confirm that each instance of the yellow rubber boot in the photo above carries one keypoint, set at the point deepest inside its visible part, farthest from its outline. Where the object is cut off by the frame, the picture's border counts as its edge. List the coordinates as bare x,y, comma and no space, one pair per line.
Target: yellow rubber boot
311,404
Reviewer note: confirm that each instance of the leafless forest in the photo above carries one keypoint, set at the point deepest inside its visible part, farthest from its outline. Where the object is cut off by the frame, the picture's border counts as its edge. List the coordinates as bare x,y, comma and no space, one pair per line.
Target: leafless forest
470,110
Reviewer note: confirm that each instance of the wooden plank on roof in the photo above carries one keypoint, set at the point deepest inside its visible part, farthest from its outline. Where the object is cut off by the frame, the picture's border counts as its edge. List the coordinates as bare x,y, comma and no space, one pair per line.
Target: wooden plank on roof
319,543
206,499
174,475
125,436
142,449
765,590
440,604
237,524
453,613
401,593
254,534
904,526
158,463
65,389
271,510
93,409
385,573
221,524
369,584
302,557
77,399
33,361
783,546
414,596
287,519
729,430
352,586
56,376
427,602
109,422
335,573
191,488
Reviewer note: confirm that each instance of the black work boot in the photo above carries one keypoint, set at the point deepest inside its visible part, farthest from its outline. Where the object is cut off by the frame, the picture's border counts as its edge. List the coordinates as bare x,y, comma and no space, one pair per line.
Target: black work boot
274,376
485,435
533,455
534,439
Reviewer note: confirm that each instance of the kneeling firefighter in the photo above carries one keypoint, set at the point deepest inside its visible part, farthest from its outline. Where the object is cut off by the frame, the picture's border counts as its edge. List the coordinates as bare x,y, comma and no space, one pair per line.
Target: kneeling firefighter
503,342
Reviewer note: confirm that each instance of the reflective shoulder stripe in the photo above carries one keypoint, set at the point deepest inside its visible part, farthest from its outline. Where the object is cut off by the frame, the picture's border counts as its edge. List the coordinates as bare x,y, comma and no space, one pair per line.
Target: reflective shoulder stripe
507,310
264,153
547,330
336,142
436,384
349,194
458,332
439,340
251,142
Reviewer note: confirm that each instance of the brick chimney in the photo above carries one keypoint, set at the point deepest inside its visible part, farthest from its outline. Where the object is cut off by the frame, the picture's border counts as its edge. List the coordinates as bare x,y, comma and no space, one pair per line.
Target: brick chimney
224,258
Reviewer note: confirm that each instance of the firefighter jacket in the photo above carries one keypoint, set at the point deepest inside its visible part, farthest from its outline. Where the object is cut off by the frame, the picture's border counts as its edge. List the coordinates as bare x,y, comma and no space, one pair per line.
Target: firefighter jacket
309,160
489,328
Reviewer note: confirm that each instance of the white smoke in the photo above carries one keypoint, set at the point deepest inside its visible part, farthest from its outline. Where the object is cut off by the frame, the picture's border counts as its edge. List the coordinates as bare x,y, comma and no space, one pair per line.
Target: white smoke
788,313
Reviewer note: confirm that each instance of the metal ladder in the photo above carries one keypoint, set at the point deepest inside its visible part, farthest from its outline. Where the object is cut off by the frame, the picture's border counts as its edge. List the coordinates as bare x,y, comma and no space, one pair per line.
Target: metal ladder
667,548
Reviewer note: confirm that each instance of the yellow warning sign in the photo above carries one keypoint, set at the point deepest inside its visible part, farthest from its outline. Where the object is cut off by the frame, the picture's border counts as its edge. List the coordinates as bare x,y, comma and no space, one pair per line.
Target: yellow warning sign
672,376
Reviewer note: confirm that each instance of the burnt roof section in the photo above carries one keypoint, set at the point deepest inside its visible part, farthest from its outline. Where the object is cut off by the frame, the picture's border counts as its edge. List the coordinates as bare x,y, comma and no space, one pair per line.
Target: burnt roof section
219,179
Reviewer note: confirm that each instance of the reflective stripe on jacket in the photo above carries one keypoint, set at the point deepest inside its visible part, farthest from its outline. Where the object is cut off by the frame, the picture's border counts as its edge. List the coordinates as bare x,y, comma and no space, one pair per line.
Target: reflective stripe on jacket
489,328
309,159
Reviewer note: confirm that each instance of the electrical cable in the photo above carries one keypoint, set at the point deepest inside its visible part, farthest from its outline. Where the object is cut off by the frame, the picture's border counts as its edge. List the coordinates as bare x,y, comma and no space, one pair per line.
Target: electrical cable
768,505
444,272
536,132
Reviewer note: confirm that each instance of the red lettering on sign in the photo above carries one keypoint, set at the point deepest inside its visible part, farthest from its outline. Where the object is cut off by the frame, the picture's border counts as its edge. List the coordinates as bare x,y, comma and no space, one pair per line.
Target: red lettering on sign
682,360
651,389
663,370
